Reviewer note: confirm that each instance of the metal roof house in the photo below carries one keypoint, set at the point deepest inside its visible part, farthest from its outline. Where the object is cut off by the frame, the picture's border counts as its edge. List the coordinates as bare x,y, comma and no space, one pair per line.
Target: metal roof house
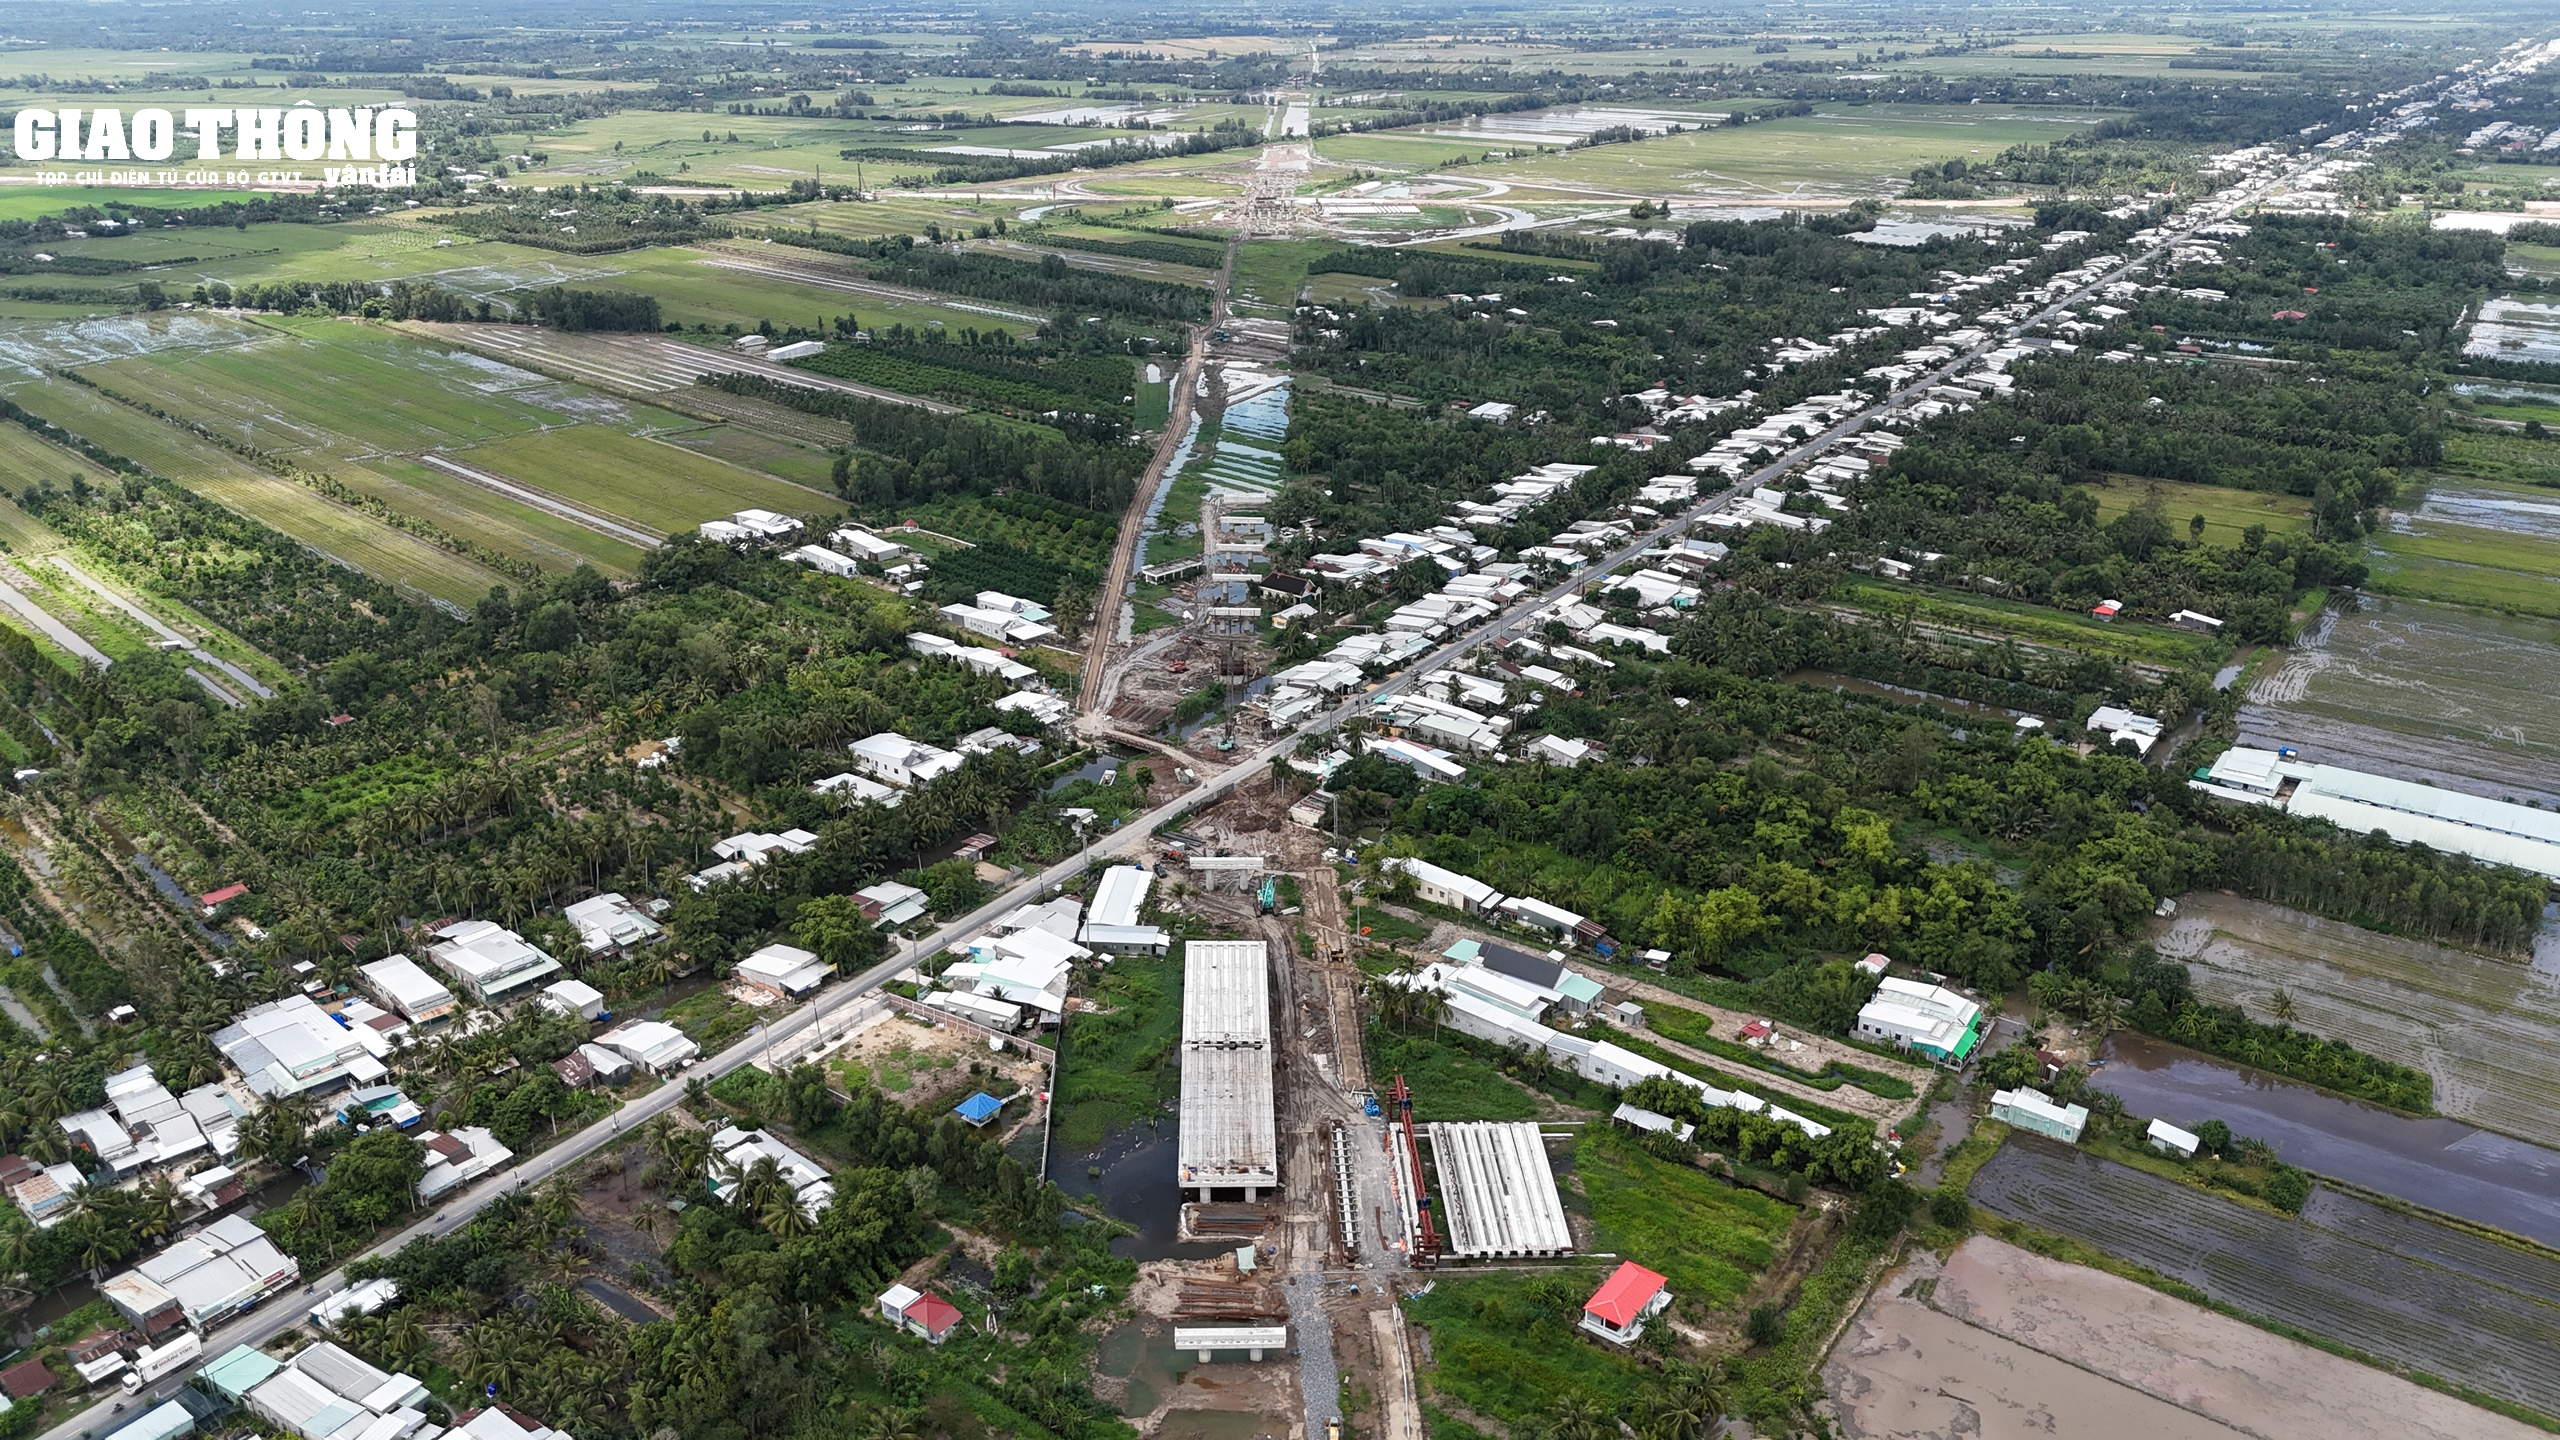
2034,1110
1931,1019
490,961
920,1313
1616,1312
1119,895
653,1043
1462,893
399,983
782,970
2494,832
204,1279
739,1150
292,1047
609,922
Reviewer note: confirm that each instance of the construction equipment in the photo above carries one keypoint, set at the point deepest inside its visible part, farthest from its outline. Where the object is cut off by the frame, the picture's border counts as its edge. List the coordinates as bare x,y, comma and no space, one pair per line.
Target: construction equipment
1269,895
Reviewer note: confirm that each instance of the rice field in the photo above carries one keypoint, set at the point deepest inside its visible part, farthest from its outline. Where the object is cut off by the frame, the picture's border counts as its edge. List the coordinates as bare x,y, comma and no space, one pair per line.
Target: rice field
328,390
2419,690
479,514
660,486
344,535
2404,1290
2480,1027
2475,542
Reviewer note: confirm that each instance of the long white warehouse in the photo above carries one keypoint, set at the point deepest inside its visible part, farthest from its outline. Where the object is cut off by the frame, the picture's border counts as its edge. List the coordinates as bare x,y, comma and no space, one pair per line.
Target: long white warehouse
2495,832
1230,1136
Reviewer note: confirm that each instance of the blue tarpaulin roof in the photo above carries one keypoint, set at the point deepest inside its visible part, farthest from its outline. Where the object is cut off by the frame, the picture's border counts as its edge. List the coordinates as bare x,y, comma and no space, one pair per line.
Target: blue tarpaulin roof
978,1109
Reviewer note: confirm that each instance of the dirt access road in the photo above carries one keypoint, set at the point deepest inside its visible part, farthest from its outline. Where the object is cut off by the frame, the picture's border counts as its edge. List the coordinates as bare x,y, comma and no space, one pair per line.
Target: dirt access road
1116,580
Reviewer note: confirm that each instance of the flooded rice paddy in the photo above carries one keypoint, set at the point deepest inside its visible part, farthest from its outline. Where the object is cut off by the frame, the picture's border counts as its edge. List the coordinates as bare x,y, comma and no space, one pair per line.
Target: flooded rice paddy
2445,1165
2001,1344
2409,1292
30,348
2480,1026
2509,509
2421,691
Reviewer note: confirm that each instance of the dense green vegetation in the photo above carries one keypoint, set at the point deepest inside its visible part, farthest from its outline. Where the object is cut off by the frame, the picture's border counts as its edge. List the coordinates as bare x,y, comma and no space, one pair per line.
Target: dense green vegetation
909,454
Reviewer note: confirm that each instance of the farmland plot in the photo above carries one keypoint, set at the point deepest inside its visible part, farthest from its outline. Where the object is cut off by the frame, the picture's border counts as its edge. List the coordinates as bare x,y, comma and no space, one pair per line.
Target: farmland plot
658,486
2480,1027
2420,691
2386,1291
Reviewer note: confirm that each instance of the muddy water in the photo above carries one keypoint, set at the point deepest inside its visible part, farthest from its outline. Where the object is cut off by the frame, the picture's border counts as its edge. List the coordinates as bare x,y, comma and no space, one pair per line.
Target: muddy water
2510,509
2480,1026
2420,691
2441,1164
1136,1186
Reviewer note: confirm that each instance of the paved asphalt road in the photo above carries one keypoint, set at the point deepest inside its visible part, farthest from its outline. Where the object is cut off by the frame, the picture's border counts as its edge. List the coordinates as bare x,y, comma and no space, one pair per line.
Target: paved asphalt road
285,1311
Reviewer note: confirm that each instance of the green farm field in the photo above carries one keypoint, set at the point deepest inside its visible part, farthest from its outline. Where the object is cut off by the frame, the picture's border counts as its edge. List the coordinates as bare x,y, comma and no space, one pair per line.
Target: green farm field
340,389
784,459
347,536
2474,542
789,286
1709,1238
2227,512
1843,151
478,514
1990,616
664,487
31,201
1270,273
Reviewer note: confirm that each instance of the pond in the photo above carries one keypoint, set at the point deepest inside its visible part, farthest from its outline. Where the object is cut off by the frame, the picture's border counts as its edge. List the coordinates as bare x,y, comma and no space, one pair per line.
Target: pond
1135,1185
2443,1165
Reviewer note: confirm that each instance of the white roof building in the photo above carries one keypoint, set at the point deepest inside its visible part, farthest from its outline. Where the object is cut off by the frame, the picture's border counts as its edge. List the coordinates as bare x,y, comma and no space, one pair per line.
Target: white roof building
652,1043
574,997
292,1047
1047,709
2112,723
1529,910
824,560
1928,1018
783,969
896,901
205,1278
1446,887
491,961
400,984
458,1157
976,657
2494,832
739,1150
609,922
1556,750
502,1422
863,545
1120,895
753,847
899,761
1003,625
851,788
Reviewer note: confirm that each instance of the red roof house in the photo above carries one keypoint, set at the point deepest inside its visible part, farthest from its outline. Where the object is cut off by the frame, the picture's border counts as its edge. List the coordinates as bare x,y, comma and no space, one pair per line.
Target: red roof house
921,1313
29,1379
1629,1297
213,900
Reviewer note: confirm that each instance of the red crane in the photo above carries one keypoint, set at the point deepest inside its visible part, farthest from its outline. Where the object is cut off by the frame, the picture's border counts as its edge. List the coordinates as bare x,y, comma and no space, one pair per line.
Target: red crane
1426,1244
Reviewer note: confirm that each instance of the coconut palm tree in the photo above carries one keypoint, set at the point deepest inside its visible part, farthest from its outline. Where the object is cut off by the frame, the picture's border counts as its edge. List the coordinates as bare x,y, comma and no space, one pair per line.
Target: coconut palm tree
1687,1405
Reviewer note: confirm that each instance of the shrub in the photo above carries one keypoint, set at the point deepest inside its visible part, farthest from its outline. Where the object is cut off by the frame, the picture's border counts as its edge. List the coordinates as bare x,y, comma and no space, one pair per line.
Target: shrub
1949,1208
1766,1325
